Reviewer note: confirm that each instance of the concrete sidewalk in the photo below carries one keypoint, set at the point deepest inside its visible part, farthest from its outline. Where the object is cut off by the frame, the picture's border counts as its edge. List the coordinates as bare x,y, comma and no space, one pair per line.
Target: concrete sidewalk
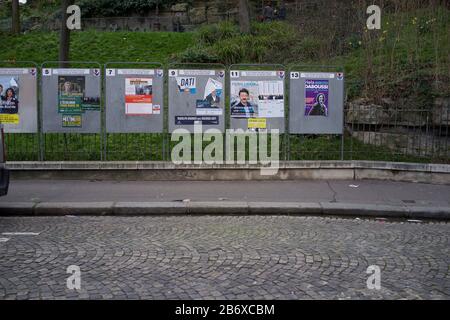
318,197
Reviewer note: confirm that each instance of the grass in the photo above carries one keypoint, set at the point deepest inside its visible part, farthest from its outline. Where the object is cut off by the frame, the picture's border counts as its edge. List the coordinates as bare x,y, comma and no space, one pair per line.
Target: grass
156,147
328,147
97,46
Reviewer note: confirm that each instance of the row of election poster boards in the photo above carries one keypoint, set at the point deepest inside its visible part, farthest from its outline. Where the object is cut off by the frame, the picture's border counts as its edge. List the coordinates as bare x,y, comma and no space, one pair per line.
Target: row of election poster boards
134,99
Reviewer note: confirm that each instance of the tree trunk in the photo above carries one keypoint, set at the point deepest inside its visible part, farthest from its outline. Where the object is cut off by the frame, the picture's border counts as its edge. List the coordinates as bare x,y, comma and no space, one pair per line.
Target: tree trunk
244,16
15,27
64,40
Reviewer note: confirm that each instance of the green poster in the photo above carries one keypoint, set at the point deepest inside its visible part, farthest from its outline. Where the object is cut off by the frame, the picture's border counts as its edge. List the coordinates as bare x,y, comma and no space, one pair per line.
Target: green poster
70,94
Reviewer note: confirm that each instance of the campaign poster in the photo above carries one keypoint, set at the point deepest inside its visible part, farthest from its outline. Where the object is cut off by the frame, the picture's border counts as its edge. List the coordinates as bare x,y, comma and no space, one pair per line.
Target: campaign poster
210,104
257,99
9,99
257,123
90,103
139,97
271,99
71,121
70,93
187,84
316,97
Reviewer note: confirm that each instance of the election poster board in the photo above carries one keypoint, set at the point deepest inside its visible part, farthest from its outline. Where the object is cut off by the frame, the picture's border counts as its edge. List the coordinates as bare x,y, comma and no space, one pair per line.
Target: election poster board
18,100
257,100
316,102
134,100
196,97
71,100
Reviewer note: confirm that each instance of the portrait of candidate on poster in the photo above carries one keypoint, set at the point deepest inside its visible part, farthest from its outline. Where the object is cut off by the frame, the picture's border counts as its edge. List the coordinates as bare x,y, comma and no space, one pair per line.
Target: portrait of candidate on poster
72,96
210,104
244,99
316,98
316,102
134,100
257,100
196,97
18,100
9,101
71,100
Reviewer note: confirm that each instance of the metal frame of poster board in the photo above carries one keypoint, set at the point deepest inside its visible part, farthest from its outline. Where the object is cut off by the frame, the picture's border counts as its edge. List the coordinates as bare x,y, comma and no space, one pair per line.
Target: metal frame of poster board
86,137
262,67
314,69
159,135
23,138
200,66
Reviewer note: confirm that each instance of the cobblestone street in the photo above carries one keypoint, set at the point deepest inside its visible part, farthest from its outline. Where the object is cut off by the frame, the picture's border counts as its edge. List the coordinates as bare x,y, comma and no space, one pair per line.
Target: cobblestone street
222,257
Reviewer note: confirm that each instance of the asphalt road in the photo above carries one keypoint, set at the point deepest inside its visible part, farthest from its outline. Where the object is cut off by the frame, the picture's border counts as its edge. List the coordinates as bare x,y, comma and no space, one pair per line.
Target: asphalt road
222,257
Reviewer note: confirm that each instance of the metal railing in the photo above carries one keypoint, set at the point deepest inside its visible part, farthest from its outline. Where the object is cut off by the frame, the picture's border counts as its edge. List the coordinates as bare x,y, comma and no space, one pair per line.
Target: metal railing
421,138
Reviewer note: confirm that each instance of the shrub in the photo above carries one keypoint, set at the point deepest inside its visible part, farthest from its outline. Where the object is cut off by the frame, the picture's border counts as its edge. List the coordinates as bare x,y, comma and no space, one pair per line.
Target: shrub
198,54
311,48
210,34
229,51
268,42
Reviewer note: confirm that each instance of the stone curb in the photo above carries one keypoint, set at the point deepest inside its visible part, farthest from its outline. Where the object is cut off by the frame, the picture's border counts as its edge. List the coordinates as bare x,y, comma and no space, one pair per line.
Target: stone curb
288,170
72,208
221,208
164,165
